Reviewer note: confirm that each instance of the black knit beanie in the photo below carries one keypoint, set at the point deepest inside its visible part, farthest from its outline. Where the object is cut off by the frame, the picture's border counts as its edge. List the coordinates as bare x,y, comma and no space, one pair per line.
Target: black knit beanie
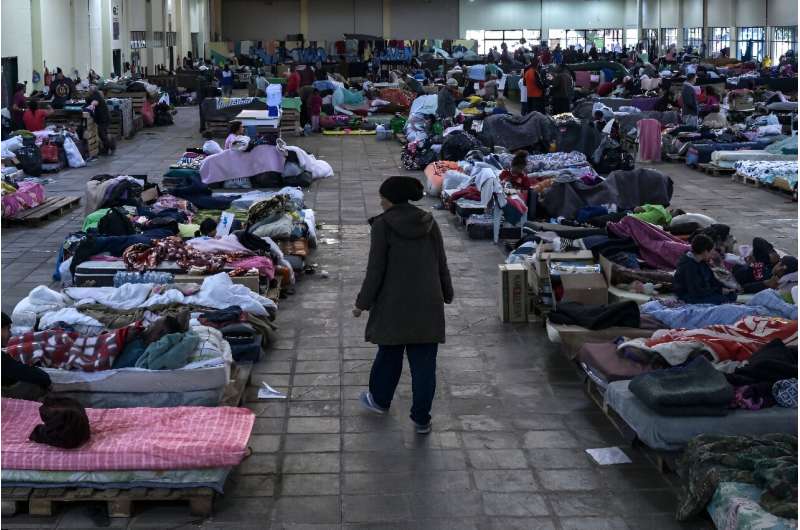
398,190
66,424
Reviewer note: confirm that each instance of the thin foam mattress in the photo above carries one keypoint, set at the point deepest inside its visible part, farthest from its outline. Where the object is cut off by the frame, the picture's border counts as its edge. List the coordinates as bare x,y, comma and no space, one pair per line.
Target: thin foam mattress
131,439
729,158
672,433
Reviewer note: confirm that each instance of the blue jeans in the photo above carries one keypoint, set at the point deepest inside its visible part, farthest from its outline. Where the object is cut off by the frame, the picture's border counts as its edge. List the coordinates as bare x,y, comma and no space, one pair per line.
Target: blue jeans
388,366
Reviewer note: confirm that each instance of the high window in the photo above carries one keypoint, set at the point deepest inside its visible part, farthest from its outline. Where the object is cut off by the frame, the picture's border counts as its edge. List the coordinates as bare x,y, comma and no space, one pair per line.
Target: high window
784,38
138,40
488,39
719,39
669,36
693,37
751,41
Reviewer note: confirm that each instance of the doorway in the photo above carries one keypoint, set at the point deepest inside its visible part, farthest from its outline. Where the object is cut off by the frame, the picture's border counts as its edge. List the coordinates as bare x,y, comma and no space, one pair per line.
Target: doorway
10,78
116,57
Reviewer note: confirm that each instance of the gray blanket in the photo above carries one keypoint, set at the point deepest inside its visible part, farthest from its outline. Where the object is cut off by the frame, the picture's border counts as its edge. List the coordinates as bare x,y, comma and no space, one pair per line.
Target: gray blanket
626,189
518,132
697,389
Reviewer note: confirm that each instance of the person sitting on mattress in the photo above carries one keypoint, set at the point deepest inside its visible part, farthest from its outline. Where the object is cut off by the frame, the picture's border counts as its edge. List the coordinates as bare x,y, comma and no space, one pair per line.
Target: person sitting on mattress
235,129
517,176
694,281
764,268
20,381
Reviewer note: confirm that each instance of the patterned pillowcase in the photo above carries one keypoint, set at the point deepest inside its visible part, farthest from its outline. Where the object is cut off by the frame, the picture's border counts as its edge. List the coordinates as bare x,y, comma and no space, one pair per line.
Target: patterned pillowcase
785,392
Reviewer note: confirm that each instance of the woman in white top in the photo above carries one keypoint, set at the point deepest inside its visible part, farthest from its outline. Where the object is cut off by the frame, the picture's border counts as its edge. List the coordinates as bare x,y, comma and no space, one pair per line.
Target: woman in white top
523,96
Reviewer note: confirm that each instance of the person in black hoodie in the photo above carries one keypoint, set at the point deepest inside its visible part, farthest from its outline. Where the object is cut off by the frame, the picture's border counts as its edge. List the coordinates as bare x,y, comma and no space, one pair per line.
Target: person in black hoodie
694,281
405,289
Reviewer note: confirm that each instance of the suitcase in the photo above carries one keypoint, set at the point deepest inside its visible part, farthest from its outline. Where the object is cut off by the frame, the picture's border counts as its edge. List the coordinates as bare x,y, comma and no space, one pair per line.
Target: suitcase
480,226
465,208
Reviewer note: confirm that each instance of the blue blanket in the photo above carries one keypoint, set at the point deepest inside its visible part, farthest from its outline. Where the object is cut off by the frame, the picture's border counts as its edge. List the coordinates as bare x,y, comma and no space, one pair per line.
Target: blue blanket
693,316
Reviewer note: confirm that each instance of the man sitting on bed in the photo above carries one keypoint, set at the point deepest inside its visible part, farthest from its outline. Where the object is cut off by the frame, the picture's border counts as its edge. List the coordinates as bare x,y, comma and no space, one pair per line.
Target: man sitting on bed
694,280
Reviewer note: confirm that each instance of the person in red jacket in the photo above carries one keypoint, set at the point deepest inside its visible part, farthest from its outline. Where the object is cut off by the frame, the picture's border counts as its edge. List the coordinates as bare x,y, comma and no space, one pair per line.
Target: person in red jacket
293,85
314,109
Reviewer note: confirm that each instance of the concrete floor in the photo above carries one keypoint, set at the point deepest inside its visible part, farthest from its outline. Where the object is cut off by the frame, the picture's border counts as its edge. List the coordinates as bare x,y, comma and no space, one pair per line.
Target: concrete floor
511,421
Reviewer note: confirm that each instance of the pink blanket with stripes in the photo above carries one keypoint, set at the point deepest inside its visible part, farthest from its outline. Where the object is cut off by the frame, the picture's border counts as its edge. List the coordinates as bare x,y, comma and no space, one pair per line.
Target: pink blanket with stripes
137,438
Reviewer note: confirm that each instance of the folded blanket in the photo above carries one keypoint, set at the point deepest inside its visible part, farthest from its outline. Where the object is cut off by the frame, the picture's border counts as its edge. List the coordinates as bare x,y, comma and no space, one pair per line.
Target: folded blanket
696,389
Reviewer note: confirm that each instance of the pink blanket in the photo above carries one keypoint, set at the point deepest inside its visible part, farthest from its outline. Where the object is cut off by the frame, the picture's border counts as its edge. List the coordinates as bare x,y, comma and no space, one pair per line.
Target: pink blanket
649,140
27,196
137,438
234,164
657,248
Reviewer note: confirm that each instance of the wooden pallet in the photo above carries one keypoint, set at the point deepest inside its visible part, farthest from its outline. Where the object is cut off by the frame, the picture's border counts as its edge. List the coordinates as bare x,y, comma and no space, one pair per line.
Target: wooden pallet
120,501
745,179
15,500
716,171
51,207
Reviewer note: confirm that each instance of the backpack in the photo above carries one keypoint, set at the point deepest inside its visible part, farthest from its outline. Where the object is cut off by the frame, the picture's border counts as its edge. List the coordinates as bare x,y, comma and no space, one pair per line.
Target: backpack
115,223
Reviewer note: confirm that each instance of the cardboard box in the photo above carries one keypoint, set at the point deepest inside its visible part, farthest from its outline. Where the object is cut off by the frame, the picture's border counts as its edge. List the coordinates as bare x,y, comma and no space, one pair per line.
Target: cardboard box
150,195
586,288
540,262
513,297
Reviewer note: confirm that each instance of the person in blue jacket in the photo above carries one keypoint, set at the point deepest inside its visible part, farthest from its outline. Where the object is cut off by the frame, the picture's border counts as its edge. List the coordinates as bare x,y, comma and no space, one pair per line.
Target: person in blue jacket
694,281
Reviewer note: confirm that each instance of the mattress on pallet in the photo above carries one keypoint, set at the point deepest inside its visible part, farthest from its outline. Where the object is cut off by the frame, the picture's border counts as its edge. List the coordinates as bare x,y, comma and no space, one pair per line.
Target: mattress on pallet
213,478
200,382
700,153
727,159
735,506
604,365
101,273
672,433
571,337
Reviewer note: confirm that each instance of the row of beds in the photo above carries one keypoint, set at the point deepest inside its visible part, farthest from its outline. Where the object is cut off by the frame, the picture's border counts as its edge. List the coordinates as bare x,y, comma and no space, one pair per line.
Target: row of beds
607,374
185,434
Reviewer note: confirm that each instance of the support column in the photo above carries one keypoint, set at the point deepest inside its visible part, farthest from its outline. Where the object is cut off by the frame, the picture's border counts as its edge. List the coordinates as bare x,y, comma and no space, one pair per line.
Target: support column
304,19
106,66
36,41
706,33
734,35
387,19
681,29
149,59
639,19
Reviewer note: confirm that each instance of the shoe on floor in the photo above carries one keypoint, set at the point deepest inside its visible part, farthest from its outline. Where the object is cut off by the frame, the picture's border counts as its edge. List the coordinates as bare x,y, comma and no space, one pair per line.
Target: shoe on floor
368,403
423,429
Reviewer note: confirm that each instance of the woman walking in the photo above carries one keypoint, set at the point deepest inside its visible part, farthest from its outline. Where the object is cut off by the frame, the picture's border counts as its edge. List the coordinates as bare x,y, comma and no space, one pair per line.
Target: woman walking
405,289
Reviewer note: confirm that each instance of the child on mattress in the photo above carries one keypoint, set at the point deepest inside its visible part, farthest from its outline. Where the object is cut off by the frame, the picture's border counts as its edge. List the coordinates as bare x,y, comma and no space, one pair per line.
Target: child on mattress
517,176
694,280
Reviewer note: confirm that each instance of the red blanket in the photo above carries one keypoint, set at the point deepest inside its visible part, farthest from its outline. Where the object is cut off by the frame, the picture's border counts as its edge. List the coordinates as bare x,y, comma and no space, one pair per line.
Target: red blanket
138,438
727,343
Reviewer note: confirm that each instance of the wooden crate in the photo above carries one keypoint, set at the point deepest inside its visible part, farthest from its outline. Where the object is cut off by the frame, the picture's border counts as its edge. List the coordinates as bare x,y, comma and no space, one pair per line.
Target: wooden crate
137,98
